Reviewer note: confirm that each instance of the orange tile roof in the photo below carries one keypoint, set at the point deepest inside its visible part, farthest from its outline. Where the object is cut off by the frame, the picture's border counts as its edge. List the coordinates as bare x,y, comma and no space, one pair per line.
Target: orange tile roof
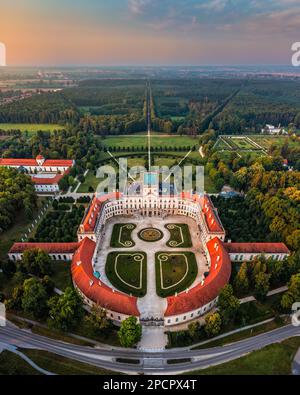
33,162
47,181
17,162
209,289
58,162
248,248
95,289
89,221
211,219
50,248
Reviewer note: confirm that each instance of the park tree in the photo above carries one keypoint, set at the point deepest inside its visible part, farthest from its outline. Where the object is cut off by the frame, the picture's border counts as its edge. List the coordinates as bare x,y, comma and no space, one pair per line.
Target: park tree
293,293
15,302
34,298
228,304
213,324
261,286
130,332
65,311
194,330
293,240
241,281
97,319
48,284
36,261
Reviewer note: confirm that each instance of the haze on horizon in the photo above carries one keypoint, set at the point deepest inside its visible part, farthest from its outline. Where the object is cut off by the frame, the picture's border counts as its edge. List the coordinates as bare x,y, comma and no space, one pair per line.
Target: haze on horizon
155,32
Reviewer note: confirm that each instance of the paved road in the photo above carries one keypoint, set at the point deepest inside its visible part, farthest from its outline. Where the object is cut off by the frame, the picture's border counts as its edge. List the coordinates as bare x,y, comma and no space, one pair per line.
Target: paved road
150,362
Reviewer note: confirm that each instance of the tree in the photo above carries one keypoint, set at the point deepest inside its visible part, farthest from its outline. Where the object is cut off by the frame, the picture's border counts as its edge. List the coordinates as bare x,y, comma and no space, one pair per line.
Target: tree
130,332
15,302
213,324
34,298
293,293
228,304
48,284
261,286
37,262
66,310
97,319
241,282
194,328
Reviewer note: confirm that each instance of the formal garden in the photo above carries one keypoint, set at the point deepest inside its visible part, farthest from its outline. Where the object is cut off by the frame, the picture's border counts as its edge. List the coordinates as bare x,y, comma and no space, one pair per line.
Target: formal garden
180,236
121,236
127,272
175,272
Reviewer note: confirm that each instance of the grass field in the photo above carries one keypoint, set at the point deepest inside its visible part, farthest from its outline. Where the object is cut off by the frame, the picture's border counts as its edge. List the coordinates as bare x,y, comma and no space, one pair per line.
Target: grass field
31,127
275,359
156,141
121,236
63,366
128,272
175,272
179,236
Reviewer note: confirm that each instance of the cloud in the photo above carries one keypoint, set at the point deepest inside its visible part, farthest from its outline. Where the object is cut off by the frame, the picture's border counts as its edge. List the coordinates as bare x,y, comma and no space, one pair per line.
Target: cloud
138,7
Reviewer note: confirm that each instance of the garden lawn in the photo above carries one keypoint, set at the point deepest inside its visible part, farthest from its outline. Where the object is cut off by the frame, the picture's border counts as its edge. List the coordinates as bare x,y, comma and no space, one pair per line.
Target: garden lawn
174,271
180,236
124,272
121,236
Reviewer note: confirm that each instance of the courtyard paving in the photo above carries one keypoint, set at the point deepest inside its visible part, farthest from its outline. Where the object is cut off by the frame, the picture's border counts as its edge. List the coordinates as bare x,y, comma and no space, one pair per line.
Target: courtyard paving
151,306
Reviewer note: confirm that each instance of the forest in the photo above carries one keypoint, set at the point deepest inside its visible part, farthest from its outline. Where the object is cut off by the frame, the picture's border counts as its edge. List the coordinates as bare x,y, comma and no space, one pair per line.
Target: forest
17,194
182,106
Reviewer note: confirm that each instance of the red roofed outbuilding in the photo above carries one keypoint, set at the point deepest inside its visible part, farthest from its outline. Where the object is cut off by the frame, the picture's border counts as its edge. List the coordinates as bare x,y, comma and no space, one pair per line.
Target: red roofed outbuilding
94,291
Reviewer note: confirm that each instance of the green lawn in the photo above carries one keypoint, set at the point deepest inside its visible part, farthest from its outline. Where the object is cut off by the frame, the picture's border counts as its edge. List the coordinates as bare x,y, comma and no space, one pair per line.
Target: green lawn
121,236
31,127
180,236
242,143
174,271
90,181
128,272
275,359
63,366
165,161
131,162
269,326
12,364
156,141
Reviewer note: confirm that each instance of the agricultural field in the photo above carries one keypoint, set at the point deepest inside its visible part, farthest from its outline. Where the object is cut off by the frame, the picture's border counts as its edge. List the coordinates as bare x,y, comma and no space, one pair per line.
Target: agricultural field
31,127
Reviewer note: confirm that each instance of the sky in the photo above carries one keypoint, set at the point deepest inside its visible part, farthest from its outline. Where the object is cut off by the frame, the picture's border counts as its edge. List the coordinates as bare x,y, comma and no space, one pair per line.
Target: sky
148,32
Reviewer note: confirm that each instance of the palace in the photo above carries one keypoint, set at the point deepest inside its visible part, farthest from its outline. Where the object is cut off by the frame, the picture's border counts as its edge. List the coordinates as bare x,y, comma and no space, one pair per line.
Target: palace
147,202
45,173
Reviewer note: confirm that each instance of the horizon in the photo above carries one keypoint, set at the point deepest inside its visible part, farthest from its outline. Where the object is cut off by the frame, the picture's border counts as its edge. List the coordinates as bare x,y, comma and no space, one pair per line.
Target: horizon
143,32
